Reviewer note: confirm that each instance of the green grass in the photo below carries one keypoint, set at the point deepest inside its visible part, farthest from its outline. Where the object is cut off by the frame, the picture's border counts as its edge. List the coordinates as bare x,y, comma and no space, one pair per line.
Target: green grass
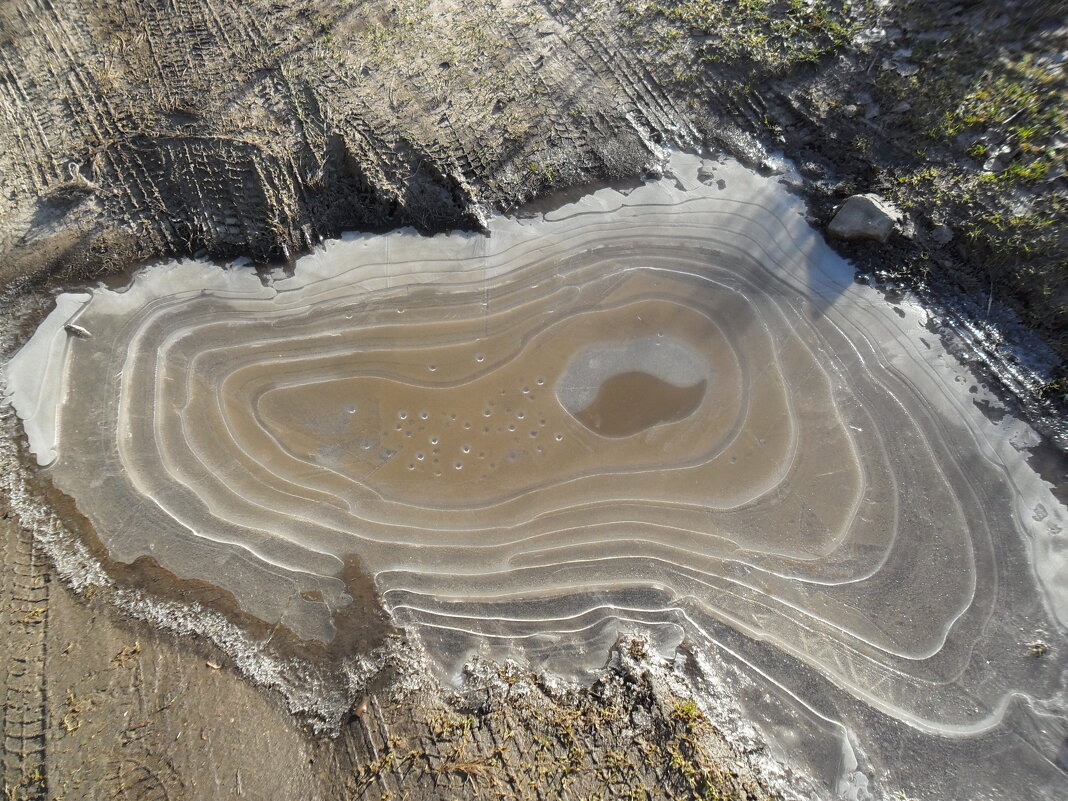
973,91
776,36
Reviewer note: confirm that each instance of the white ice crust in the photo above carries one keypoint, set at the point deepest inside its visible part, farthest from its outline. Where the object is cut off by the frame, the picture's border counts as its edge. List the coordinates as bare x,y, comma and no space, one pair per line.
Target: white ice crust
751,218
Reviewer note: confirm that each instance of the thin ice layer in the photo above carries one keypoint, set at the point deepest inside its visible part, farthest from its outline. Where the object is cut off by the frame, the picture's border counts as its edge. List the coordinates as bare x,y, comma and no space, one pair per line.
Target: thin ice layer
825,507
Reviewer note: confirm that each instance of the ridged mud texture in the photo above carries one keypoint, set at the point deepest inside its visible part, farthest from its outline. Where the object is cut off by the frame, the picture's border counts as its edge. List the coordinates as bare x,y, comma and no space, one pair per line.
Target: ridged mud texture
254,128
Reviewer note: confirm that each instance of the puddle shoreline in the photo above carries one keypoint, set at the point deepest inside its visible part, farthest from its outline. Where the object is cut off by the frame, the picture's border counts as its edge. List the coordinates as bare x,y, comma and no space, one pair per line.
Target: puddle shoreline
807,312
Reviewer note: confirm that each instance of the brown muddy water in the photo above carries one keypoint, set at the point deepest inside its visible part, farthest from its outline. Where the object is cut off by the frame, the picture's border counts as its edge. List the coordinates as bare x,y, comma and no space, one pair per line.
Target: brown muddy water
630,402
669,411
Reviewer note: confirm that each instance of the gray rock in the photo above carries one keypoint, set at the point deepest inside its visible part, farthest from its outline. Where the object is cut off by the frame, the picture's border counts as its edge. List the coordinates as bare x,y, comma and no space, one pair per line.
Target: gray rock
998,158
942,234
864,217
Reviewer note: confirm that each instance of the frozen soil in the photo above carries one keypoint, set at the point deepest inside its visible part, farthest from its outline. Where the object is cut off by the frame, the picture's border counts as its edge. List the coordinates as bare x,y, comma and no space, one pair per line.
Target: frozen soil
136,131
104,708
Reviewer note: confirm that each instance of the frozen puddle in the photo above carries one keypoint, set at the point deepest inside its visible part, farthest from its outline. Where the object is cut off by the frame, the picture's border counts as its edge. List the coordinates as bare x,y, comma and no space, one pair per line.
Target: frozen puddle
670,411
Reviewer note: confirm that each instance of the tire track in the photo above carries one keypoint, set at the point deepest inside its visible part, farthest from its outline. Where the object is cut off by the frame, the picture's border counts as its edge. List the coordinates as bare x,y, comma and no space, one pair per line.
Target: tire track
23,621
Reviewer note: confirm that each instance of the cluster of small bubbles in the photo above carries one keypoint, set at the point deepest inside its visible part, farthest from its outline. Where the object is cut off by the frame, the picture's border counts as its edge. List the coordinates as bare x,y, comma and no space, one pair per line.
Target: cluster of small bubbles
513,430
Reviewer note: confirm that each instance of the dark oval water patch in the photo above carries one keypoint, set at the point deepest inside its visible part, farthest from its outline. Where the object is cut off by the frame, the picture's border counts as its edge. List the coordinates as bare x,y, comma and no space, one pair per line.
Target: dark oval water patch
628,403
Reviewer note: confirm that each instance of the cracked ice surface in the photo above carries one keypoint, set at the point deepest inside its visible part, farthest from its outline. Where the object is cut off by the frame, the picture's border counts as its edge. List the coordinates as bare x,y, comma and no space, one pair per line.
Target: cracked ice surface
669,410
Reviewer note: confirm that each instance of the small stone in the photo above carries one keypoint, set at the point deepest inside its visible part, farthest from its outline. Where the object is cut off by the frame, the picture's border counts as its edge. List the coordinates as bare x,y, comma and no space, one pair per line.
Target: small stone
361,708
998,158
864,217
1038,648
942,234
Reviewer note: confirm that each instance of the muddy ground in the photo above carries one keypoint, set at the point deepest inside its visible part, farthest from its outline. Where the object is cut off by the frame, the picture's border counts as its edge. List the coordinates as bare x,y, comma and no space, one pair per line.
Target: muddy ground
134,130
102,708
